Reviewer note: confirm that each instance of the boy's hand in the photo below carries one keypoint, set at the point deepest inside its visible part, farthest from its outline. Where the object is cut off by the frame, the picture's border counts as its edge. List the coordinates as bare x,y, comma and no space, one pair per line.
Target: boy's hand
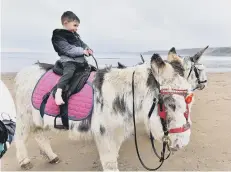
85,52
90,51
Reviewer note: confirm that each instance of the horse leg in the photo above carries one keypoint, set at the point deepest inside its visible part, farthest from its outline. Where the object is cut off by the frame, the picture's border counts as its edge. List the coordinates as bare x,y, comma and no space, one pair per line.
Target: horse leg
108,147
42,140
22,131
45,147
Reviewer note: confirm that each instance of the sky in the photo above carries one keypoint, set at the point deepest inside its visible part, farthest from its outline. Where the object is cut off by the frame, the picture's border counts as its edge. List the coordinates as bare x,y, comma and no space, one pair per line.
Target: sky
118,25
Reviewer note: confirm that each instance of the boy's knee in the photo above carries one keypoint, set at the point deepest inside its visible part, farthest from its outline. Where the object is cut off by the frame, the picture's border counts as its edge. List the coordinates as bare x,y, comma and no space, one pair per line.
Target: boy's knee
70,72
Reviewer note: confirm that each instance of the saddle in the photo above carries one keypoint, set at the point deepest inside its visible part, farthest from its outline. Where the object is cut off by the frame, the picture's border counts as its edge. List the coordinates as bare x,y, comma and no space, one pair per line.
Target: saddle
75,85
77,82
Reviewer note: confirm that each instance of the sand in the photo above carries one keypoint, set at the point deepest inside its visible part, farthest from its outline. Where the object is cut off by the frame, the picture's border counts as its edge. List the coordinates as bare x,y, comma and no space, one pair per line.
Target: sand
209,148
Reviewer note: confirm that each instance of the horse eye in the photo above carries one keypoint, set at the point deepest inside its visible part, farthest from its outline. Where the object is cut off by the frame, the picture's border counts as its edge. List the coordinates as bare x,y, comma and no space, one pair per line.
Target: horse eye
199,67
169,119
172,106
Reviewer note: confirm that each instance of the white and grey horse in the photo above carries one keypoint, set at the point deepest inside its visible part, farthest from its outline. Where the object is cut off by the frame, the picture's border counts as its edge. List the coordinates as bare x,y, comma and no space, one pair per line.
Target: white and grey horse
120,96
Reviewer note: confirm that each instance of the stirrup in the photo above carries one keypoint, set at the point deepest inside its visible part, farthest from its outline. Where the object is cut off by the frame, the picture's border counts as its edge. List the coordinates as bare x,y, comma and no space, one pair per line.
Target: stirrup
62,127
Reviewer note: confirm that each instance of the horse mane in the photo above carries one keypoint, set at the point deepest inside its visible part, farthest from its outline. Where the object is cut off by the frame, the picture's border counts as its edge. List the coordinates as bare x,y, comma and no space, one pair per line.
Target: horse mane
45,66
178,67
121,66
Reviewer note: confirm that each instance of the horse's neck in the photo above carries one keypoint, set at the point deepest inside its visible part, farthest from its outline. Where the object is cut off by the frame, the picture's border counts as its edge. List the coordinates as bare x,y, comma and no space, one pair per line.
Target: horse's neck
144,93
121,80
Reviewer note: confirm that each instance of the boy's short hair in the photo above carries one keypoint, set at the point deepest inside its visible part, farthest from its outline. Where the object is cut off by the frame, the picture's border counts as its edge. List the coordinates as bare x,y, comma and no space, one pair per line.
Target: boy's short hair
69,16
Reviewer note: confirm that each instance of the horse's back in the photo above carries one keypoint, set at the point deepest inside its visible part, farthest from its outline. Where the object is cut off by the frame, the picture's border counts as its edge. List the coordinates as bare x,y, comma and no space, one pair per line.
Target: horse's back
28,76
25,82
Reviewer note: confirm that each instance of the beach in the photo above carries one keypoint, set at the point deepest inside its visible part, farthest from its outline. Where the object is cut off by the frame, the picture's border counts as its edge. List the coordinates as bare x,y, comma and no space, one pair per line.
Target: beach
209,148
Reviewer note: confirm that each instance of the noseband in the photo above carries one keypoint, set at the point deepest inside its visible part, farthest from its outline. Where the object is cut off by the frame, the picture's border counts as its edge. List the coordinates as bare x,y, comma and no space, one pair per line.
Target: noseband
200,85
163,117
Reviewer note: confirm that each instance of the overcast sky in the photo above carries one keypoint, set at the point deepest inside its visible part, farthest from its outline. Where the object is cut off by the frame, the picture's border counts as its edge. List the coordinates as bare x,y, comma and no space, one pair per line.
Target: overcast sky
119,25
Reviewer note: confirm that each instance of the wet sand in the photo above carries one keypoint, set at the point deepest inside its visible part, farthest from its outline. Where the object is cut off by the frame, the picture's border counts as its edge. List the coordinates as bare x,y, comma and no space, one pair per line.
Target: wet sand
209,148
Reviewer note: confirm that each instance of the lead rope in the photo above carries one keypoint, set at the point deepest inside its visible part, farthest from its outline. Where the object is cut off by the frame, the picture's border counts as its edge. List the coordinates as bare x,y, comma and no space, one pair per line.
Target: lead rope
137,150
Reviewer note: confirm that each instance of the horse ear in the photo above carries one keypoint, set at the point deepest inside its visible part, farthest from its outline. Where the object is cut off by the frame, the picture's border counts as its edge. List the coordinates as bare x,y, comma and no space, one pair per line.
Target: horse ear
157,61
198,55
121,66
172,55
142,58
160,67
172,50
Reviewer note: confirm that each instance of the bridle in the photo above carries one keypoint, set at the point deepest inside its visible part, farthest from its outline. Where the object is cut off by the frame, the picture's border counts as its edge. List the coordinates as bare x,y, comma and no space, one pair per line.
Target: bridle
200,85
162,112
163,117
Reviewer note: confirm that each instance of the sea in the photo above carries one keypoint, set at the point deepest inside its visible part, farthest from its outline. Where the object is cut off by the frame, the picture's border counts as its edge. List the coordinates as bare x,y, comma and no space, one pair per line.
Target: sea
15,61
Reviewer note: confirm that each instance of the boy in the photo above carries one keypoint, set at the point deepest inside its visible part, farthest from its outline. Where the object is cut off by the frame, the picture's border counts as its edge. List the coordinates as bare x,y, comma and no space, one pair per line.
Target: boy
71,50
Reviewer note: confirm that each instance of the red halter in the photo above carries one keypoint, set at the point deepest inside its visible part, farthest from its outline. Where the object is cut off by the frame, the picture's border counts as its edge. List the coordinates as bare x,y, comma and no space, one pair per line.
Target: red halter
162,111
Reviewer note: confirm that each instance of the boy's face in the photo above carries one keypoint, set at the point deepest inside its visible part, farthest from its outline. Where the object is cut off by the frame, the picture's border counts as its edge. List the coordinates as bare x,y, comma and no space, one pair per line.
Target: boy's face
71,26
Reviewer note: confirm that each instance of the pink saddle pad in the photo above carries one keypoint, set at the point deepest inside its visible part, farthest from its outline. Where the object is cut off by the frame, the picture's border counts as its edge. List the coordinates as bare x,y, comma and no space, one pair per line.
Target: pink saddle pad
80,105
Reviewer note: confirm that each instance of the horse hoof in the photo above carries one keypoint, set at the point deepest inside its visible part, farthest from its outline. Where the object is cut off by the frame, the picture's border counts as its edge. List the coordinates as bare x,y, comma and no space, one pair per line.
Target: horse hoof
27,166
55,161
44,155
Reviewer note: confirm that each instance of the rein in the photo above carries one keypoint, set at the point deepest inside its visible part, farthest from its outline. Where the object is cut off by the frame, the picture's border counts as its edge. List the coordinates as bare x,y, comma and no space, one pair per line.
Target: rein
162,114
165,141
96,63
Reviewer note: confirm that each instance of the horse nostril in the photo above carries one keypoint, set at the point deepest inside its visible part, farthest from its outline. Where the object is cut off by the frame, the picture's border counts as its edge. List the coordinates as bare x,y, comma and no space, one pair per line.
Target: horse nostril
176,148
173,149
